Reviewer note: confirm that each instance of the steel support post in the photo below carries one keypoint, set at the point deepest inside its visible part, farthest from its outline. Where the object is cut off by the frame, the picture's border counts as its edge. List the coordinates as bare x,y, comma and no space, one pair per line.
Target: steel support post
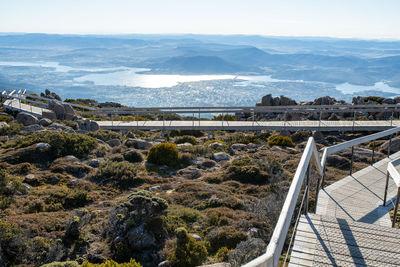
396,207
386,188
352,160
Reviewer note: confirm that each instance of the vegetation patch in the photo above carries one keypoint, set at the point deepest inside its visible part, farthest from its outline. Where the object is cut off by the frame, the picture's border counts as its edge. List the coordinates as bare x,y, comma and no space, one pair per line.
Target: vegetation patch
279,140
62,144
164,154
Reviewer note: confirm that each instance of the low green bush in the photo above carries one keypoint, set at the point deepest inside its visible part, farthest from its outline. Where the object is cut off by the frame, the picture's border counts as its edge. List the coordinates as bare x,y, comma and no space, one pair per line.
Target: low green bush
247,174
186,139
66,198
164,154
5,118
279,140
119,174
13,128
105,135
226,117
222,254
62,144
188,251
225,236
12,243
133,156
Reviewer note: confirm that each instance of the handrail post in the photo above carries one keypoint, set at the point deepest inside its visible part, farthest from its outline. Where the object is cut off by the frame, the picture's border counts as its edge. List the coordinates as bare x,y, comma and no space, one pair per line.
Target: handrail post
386,188
352,160
391,119
320,118
396,207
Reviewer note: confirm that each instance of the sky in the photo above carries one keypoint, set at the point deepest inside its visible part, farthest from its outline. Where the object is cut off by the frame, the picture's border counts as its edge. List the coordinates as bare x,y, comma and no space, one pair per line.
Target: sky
370,19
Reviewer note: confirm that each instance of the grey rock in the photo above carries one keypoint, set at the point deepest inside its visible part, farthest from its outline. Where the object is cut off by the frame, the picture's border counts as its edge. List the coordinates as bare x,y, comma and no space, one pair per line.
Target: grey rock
252,146
45,122
196,237
184,145
95,163
55,125
219,156
239,147
69,158
317,135
114,142
31,179
154,188
31,128
26,119
43,146
139,143
164,264
208,163
94,126
394,147
3,124
51,115
189,173
246,251
140,239
325,100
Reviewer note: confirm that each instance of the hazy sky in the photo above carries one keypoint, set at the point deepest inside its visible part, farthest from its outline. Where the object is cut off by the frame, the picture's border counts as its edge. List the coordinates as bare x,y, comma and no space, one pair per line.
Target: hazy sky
337,18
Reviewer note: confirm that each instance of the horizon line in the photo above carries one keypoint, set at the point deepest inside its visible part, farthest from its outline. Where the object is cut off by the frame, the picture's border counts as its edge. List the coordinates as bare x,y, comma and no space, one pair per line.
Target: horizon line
209,34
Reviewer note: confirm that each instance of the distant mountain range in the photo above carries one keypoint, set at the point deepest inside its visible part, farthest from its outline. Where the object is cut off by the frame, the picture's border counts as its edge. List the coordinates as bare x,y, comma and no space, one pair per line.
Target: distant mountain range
362,62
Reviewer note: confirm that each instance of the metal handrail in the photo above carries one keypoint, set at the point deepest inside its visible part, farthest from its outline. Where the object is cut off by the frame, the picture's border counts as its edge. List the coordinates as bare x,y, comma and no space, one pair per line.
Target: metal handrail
271,257
392,172
274,249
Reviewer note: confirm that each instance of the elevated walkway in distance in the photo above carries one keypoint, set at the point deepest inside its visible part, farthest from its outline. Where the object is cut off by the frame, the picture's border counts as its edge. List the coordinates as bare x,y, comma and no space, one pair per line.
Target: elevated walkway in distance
250,125
351,227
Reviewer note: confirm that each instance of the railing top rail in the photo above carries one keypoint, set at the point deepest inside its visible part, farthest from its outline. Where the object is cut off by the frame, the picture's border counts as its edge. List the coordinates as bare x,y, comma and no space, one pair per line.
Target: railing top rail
271,257
336,148
348,107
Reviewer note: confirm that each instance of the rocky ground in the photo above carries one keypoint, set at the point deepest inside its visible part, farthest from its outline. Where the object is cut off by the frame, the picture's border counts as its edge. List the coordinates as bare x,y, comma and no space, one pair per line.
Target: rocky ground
70,194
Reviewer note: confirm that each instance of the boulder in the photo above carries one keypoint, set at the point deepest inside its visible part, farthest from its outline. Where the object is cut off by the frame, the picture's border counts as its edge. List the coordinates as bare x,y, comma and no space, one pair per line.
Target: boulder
239,147
26,119
246,251
50,95
3,124
267,100
51,115
94,126
318,136
69,112
32,180
189,173
45,122
252,146
114,142
31,128
325,100
394,147
221,156
285,101
140,239
138,143
57,108
208,163
94,163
